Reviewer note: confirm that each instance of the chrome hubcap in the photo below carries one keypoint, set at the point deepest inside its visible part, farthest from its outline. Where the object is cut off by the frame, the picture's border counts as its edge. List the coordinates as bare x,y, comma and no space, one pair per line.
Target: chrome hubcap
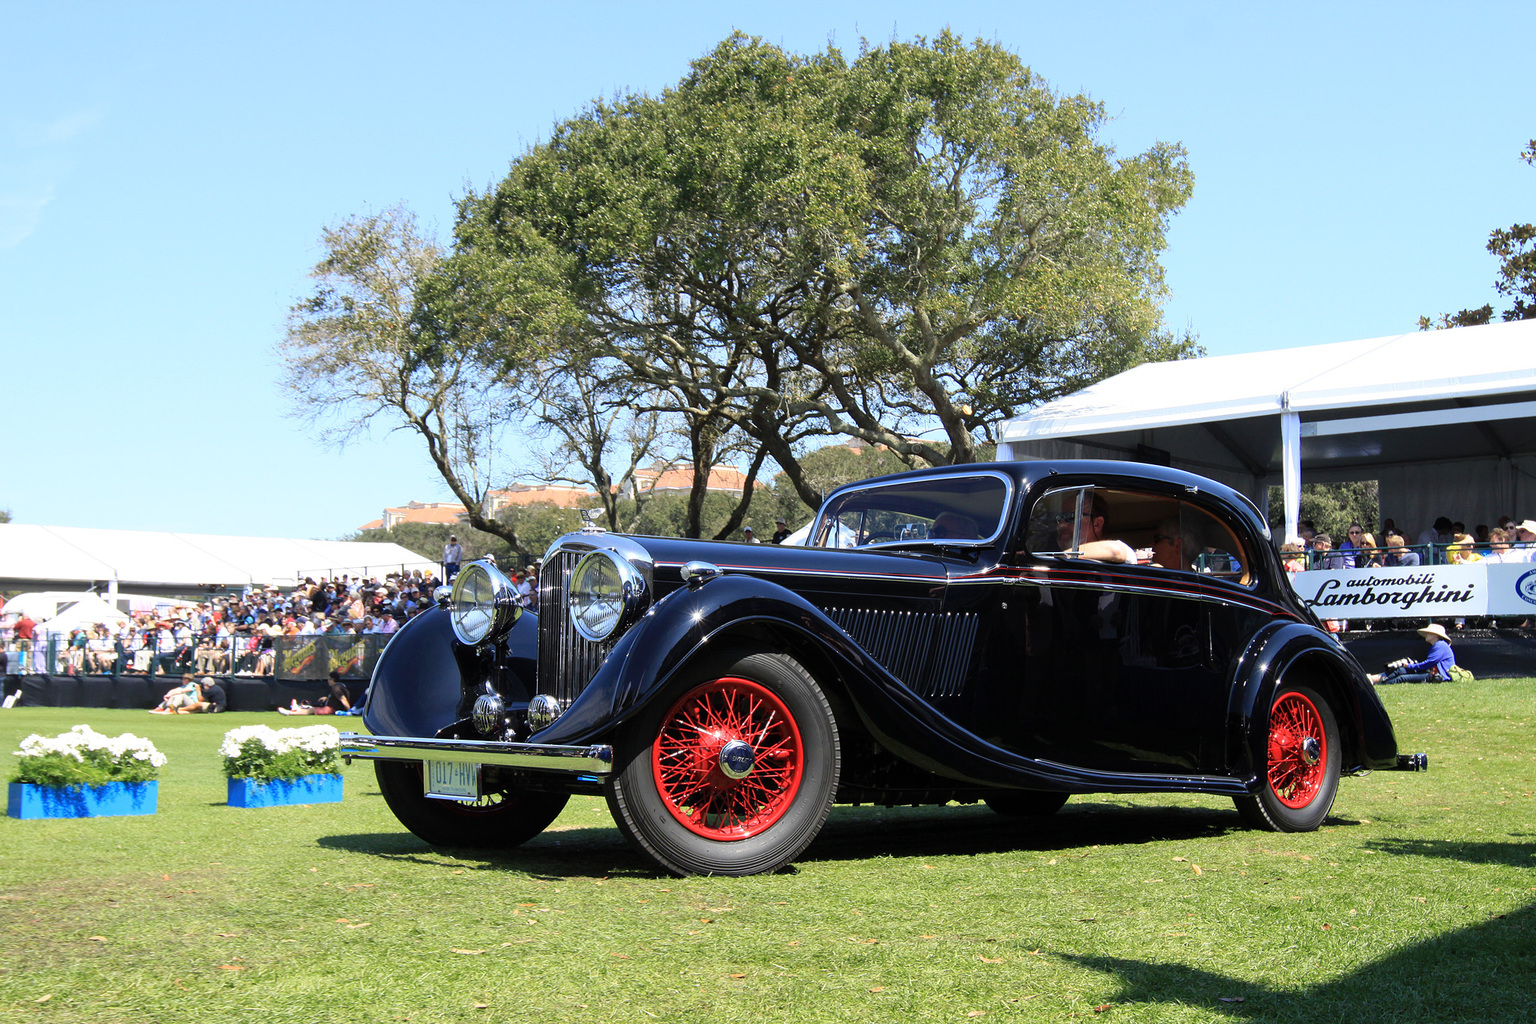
736,759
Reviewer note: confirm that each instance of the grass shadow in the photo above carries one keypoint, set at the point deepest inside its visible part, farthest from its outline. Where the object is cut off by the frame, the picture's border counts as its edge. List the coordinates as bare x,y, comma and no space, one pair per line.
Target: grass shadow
1479,973
860,833
1515,855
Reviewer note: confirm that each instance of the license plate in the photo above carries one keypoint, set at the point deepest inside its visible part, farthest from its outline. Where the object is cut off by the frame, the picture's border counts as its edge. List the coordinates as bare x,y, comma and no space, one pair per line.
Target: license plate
453,780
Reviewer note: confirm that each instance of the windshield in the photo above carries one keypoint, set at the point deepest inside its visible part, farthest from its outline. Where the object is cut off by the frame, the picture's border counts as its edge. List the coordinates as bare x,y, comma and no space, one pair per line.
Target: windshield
952,509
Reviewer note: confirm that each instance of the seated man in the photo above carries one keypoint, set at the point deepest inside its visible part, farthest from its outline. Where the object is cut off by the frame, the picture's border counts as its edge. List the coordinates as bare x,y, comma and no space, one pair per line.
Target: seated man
952,526
177,698
1435,668
1091,542
1174,547
210,700
1398,552
1323,555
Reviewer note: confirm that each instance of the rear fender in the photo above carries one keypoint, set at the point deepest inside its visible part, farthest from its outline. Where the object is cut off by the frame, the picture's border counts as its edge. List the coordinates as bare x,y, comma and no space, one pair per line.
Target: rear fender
1299,652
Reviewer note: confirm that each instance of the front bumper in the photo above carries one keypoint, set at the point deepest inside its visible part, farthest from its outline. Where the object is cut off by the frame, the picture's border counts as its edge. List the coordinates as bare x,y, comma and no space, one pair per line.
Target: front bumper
596,759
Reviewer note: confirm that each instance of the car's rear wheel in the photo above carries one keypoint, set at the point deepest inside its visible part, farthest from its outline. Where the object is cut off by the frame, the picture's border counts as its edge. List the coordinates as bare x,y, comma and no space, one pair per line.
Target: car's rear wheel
1302,770
1025,803
732,772
495,821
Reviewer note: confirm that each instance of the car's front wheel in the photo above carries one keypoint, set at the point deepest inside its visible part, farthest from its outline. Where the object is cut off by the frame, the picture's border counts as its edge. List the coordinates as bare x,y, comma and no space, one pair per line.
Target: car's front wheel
732,772
1302,773
495,821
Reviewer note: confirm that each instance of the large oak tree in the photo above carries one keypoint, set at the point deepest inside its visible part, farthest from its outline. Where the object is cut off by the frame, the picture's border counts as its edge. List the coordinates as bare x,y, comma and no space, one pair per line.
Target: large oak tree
922,241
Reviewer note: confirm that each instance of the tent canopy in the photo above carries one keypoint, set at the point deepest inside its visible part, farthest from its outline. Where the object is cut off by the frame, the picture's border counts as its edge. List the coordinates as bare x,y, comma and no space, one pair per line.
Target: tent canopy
83,613
66,557
1444,420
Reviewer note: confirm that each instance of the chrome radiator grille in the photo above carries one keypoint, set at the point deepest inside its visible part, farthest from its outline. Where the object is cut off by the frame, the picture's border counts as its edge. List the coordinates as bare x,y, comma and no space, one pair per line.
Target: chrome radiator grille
928,651
567,660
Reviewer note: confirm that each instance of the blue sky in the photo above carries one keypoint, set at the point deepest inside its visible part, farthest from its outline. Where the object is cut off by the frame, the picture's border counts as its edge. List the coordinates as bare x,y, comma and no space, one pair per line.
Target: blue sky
165,170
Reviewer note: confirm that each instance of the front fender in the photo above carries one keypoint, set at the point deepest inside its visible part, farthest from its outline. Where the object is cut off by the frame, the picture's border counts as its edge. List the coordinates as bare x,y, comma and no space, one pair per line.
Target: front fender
418,687
416,681
676,628
1295,652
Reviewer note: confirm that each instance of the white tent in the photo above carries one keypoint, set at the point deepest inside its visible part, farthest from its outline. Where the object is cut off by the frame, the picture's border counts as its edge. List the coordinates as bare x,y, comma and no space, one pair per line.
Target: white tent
36,557
1445,421
83,614
41,605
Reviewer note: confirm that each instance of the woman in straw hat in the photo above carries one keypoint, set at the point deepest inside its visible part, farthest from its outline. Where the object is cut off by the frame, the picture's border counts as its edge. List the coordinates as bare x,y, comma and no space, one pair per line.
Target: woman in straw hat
1436,668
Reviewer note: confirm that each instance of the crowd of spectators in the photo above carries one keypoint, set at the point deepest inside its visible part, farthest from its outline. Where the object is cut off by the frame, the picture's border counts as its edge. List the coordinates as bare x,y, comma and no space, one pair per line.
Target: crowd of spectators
232,634
1443,543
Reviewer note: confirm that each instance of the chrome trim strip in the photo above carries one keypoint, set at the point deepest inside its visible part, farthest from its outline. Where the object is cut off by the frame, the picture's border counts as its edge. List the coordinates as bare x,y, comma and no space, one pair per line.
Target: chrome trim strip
596,759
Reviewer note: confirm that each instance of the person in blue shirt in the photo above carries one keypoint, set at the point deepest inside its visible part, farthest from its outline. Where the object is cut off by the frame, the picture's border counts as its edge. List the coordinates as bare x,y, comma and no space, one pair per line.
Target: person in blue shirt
1436,668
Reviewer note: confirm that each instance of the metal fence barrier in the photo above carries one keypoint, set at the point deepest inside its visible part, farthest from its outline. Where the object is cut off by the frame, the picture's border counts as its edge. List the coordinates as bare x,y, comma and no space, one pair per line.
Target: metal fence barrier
287,658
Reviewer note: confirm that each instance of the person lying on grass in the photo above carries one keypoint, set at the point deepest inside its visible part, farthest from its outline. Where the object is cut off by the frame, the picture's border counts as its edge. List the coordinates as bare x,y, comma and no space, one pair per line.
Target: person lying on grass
333,703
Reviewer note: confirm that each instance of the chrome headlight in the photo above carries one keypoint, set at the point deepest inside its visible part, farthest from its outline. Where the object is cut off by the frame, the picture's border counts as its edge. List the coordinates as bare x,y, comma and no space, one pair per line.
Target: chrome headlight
484,604
605,593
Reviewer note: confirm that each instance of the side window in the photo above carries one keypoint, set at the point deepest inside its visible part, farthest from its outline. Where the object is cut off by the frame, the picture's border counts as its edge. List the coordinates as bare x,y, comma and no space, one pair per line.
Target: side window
1164,531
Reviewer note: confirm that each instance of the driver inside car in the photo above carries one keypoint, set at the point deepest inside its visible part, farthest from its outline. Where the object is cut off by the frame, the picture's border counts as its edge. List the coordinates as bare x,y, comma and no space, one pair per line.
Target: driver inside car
953,526
1092,544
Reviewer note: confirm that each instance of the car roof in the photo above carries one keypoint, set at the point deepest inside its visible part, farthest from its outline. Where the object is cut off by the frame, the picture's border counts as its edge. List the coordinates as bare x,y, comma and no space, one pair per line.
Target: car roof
1027,474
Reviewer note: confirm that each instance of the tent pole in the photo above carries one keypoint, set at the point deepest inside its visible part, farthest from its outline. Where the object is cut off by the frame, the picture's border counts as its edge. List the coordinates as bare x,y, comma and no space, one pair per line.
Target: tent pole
1290,460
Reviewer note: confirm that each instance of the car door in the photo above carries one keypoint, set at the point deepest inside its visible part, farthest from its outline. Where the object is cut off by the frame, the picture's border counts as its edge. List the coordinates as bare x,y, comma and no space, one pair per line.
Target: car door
1112,667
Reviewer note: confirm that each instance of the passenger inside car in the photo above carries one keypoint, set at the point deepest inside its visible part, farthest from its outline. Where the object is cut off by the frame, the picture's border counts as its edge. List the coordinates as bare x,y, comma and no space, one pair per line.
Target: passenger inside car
952,526
1175,546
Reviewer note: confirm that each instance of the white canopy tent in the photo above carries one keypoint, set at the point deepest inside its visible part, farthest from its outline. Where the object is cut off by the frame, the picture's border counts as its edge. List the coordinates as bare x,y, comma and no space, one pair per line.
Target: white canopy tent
1445,421
66,557
83,614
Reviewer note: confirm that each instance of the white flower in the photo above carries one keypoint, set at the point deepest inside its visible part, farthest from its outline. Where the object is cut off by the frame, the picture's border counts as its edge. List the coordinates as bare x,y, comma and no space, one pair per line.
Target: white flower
82,739
316,739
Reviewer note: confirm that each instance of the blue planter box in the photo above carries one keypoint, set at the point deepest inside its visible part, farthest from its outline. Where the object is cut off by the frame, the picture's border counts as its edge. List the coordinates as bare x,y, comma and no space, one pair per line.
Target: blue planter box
309,789
24,800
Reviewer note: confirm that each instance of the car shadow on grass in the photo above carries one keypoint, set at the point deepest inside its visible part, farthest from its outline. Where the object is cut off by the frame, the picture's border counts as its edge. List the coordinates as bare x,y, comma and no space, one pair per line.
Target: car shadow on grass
862,832
851,833
1478,973
562,853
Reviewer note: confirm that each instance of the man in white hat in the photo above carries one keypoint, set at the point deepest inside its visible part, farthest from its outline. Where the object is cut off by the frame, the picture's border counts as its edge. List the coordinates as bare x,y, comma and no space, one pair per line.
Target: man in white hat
1436,668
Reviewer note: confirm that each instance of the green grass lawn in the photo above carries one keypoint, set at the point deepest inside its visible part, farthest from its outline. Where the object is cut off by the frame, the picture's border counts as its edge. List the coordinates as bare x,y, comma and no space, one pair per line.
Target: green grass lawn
1416,902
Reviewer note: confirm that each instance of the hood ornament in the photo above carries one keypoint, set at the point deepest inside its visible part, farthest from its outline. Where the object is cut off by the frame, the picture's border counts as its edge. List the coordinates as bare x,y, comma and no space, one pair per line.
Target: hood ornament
590,521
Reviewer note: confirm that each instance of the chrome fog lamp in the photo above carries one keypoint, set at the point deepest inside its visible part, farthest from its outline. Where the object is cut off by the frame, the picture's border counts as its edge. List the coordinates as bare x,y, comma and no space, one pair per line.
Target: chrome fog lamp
483,605
605,591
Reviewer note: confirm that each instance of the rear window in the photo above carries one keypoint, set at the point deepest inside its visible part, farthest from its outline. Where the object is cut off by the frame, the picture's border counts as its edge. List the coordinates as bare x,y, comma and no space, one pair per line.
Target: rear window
1165,531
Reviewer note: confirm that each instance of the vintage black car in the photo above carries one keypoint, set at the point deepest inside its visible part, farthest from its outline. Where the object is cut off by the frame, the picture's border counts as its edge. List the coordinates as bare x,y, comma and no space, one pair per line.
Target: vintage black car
1006,632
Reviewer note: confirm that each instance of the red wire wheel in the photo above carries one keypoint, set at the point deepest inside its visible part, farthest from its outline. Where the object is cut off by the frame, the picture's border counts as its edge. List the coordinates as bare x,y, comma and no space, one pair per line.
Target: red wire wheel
1300,775
1298,750
691,759
733,773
